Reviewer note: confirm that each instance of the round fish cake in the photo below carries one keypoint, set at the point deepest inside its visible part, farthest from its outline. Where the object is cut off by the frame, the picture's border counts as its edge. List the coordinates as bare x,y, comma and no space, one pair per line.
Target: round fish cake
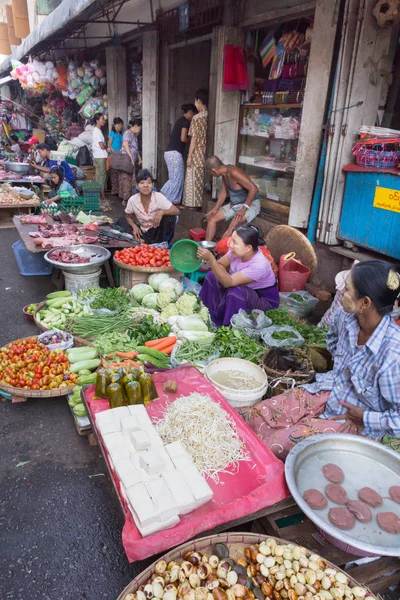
360,510
333,473
341,518
370,497
394,493
389,522
315,499
336,493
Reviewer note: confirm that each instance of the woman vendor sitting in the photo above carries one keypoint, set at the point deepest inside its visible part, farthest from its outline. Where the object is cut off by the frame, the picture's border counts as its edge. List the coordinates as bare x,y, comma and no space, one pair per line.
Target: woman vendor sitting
243,278
361,394
58,184
155,215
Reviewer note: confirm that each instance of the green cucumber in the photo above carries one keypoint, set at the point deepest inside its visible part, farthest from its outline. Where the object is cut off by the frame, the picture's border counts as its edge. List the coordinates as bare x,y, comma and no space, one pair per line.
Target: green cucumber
85,364
153,361
84,372
80,410
78,354
61,294
152,352
87,379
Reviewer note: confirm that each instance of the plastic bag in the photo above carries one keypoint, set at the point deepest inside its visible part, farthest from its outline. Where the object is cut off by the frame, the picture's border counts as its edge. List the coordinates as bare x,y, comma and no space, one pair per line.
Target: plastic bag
293,339
199,364
251,322
46,339
296,307
191,286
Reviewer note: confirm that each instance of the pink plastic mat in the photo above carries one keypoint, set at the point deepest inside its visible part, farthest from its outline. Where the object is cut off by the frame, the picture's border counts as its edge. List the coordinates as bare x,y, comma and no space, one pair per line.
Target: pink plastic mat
257,484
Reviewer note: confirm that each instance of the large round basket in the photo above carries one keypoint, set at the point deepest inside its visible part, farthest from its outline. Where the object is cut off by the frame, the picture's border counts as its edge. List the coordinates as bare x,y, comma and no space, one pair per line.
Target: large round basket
78,341
131,276
236,543
283,239
300,377
14,391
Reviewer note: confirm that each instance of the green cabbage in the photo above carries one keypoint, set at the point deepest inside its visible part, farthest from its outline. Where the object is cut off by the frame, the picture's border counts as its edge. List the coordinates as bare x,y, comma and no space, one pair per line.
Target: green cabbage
187,304
170,311
205,315
139,291
150,301
165,297
156,279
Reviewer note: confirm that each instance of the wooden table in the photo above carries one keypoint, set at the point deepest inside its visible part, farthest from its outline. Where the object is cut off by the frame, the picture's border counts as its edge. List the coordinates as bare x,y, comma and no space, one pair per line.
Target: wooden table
9,211
24,229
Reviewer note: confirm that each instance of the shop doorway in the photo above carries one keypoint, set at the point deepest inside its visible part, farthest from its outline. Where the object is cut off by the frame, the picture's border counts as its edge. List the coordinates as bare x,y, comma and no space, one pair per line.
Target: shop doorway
190,72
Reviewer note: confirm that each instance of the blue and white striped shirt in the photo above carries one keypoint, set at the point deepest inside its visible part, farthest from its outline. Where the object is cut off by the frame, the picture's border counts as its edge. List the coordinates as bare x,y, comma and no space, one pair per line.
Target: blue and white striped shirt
367,376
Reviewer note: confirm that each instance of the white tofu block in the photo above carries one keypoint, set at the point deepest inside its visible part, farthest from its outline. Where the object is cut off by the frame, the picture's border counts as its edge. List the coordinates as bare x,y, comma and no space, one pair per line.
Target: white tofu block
112,440
162,498
145,531
180,491
198,486
201,491
140,413
169,465
183,460
151,462
120,414
106,423
124,465
131,478
121,451
140,440
142,505
175,449
129,424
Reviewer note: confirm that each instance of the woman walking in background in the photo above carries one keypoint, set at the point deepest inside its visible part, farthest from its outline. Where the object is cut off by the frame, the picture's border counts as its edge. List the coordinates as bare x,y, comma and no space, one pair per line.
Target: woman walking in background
173,155
114,145
99,157
130,147
194,181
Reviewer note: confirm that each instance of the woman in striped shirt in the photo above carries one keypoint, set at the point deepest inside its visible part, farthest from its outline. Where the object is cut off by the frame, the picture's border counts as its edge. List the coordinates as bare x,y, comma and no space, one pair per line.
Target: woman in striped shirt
361,394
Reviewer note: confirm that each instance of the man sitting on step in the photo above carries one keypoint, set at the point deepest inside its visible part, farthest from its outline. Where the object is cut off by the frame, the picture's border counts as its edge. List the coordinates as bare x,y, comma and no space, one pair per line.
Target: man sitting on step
244,201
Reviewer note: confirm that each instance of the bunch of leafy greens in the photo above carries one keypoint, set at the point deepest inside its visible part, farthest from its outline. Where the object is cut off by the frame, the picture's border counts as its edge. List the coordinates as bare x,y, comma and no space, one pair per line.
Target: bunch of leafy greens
236,344
111,298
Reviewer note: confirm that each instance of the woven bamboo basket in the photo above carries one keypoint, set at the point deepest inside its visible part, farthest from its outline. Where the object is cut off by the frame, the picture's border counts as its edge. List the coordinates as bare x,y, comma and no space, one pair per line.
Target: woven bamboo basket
78,341
131,276
236,543
300,377
14,391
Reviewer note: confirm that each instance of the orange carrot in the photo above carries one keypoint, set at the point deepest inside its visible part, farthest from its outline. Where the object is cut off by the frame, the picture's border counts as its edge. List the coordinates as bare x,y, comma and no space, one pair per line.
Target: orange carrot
167,342
128,355
153,343
104,363
168,349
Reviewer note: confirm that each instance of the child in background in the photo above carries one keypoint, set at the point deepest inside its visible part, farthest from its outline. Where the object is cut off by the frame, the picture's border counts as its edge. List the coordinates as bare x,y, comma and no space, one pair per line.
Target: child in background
58,184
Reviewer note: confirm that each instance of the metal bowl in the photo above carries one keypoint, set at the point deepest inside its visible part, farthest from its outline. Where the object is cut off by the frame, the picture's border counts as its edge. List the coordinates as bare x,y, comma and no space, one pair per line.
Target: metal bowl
207,244
21,168
97,255
365,464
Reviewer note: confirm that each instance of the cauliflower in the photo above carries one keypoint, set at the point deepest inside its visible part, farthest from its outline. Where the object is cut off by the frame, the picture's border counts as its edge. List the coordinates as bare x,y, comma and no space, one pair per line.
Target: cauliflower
170,311
187,304
205,315
165,297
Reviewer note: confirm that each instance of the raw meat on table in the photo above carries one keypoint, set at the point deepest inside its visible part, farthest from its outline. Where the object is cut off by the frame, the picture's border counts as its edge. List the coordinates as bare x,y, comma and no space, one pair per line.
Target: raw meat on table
333,473
336,493
370,496
341,518
33,219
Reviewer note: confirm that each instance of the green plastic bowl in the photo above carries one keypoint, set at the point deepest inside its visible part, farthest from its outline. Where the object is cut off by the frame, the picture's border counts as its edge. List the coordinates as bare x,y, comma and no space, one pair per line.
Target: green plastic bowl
183,256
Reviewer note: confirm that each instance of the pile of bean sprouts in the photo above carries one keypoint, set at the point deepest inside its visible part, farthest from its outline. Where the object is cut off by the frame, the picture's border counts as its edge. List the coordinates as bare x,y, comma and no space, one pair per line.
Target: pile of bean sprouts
207,432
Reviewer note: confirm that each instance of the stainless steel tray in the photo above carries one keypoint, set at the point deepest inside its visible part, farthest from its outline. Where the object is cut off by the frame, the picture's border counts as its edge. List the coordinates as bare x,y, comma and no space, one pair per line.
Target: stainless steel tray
97,254
365,464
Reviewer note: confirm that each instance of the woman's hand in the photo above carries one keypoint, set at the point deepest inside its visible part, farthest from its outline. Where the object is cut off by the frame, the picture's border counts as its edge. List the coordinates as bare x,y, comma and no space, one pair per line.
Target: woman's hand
354,419
189,161
157,217
137,234
204,254
48,202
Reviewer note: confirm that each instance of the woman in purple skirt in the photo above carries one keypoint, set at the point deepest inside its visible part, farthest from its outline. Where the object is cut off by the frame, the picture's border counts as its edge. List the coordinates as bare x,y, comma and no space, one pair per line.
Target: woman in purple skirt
243,278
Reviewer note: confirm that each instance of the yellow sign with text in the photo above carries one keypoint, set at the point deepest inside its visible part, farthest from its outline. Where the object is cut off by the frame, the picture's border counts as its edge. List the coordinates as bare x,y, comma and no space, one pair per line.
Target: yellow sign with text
387,199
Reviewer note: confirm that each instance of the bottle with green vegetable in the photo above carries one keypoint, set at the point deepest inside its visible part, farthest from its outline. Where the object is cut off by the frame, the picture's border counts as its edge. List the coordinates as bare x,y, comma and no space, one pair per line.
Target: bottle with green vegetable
148,388
133,393
101,384
115,395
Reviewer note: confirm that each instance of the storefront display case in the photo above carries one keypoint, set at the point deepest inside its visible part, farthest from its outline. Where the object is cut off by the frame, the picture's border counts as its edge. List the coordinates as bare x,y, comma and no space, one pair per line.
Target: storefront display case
267,150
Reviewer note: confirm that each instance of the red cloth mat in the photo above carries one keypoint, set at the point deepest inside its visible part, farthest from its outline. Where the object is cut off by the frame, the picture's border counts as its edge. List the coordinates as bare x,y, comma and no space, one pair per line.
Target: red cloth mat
257,483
